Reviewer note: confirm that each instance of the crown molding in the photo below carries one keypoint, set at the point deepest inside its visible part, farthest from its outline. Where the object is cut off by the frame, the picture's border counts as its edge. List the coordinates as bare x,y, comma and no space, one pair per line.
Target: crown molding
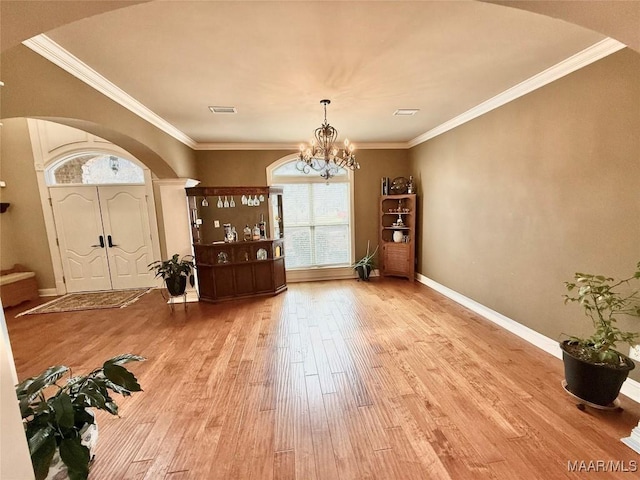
581,59
43,45
53,52
292,146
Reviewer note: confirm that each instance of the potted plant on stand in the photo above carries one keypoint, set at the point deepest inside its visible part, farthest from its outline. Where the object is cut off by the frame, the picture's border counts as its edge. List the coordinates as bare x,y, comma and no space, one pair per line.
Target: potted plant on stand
61,428
175,273
366,264
594,370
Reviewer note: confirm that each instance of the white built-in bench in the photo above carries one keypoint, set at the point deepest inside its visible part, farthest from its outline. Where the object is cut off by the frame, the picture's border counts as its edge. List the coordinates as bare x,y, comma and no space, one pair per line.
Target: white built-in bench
17,285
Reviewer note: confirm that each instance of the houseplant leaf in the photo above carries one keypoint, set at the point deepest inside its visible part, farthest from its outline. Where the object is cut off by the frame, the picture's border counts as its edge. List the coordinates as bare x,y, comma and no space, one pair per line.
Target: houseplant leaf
29,389
124,358
121,376
75,456
63,409
42,446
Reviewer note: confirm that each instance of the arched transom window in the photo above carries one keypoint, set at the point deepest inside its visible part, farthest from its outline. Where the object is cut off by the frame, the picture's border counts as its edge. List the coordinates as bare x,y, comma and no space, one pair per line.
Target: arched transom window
94,168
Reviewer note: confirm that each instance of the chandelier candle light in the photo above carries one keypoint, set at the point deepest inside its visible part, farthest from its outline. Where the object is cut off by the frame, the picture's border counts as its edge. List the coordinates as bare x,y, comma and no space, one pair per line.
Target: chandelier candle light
322,156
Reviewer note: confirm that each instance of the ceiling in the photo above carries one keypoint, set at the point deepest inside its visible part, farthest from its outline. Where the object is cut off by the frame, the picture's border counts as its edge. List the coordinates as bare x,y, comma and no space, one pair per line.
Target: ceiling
275,61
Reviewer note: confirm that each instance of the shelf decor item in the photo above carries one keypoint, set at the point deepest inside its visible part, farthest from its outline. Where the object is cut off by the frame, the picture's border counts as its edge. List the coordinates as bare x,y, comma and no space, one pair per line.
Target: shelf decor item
399,186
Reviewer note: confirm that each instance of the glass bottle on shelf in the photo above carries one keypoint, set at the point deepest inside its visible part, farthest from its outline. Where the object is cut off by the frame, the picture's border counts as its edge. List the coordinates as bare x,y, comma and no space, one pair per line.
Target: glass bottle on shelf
410,187
247,233
256,232
262,225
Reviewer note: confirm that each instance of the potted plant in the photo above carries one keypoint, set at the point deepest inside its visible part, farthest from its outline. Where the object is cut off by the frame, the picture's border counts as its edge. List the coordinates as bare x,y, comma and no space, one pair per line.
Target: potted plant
175,272
366,264
594,370
60,426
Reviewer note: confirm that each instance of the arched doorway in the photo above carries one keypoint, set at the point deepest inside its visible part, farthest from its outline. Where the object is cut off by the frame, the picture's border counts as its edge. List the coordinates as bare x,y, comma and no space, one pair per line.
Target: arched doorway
99,210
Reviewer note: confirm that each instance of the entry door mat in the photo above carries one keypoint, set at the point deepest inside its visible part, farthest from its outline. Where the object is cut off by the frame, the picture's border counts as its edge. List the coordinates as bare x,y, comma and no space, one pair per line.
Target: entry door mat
74,302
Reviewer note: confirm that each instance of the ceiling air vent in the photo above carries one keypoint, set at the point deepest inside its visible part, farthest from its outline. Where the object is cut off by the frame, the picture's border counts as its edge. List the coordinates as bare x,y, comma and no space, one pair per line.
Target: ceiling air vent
404,112
216,109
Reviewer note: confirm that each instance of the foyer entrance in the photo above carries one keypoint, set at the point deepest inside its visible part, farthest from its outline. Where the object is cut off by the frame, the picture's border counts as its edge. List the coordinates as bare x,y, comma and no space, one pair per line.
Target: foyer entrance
103,235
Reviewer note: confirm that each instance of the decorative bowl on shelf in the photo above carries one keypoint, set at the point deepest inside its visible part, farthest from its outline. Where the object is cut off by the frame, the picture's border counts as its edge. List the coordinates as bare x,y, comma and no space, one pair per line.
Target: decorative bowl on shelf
399,186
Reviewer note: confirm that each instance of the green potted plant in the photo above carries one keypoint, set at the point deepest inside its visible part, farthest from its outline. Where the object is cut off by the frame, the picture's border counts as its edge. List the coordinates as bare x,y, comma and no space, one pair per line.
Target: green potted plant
594,370
366,264
58,420
175,273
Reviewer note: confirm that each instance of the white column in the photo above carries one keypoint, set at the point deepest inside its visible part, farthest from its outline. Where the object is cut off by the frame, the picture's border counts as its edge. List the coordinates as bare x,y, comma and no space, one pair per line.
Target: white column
174,221
15,462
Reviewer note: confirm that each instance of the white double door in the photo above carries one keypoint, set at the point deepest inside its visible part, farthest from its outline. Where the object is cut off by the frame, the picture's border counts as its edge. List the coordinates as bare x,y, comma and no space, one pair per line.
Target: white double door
104,236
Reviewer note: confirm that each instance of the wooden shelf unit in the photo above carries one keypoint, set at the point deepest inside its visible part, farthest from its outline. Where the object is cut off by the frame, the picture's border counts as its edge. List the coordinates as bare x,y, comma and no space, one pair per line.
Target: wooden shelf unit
397,258
231,270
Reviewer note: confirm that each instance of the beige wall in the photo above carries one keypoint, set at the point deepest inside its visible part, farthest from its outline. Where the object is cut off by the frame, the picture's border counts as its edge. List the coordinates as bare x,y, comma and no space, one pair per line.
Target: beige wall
235,168
23,238
514,202
36,88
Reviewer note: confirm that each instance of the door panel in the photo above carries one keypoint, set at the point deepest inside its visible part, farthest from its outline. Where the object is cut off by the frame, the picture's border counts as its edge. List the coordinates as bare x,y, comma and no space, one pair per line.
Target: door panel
126,226
79,227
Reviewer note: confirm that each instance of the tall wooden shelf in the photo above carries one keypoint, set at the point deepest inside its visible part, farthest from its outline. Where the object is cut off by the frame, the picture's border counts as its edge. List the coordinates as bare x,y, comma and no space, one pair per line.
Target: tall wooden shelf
397,258
228,270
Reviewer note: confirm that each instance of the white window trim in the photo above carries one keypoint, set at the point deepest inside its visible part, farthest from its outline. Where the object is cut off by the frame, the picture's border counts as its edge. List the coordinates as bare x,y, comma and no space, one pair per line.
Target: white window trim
320,272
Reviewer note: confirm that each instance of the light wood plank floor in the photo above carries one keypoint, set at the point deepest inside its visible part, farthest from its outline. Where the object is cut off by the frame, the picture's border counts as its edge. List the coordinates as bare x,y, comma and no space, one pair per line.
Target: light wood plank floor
330,380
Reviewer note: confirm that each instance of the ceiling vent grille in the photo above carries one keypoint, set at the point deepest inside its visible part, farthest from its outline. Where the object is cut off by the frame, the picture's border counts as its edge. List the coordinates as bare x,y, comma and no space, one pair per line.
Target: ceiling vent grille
218,109
406,112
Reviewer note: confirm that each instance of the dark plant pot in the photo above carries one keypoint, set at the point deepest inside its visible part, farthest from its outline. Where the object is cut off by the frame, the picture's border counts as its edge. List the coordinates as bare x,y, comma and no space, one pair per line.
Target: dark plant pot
363,272
596,384
176,285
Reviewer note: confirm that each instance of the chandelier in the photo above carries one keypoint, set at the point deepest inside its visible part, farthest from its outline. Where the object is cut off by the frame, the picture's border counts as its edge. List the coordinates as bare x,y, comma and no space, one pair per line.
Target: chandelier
322,156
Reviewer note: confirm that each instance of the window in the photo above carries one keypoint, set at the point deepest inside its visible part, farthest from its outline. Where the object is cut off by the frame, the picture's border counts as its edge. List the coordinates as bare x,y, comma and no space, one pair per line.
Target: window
91,168
317,218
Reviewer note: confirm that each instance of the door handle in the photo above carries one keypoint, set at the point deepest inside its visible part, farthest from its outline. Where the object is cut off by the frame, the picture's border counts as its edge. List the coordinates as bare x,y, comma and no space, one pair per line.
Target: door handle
101,244
111,244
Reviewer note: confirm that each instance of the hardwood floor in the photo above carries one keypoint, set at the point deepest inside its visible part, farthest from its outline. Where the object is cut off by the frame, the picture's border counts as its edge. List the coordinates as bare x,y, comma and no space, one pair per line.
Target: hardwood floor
329,380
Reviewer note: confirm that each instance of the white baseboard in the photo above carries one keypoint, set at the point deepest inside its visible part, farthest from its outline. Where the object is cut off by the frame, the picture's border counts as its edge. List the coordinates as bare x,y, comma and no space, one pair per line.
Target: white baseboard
47,292
320,273
633,440
630,388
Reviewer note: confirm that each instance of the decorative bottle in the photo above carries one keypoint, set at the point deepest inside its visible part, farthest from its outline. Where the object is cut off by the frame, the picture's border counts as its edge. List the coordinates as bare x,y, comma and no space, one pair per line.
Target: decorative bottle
256,232
410,187
247,233
262,225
